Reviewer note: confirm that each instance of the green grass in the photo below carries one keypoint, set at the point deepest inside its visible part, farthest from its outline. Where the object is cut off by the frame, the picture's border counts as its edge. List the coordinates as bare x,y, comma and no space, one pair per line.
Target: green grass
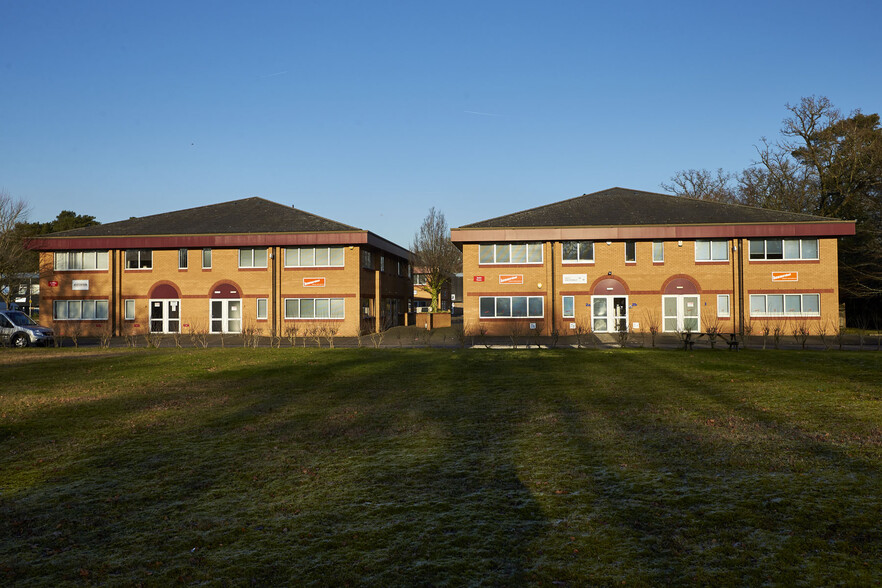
477,467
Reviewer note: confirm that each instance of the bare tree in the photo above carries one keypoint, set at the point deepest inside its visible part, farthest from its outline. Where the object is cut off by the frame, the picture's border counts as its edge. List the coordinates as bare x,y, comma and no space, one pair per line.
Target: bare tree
702,184
434,255
13,254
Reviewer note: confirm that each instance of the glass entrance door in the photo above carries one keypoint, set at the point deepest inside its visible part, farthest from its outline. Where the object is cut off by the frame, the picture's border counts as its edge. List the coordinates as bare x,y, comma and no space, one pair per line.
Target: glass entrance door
609,314
165,316
681,313
226,316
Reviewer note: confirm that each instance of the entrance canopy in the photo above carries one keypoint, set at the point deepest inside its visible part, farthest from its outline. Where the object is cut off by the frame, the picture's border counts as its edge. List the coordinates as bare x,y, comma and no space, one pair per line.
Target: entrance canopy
225,290
164,291
609,287
681,286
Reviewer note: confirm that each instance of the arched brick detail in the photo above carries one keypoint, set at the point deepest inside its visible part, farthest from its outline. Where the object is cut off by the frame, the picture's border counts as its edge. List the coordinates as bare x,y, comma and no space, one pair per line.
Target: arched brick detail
690,285
165,290
225,289
618,285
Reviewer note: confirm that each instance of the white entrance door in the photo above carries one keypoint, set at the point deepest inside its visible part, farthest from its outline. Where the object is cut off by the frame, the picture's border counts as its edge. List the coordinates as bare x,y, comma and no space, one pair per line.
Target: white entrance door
681,313
165,316
226,316
609,314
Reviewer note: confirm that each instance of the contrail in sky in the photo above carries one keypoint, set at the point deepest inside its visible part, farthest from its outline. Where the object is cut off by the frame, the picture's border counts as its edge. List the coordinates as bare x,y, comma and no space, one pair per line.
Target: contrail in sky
480,113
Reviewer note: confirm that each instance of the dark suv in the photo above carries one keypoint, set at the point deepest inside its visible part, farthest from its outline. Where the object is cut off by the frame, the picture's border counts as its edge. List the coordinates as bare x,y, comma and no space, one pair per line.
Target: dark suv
19,330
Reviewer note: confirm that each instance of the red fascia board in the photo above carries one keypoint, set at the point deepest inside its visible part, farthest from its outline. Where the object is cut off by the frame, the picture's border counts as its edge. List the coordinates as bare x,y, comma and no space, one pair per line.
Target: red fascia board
656,232
216,241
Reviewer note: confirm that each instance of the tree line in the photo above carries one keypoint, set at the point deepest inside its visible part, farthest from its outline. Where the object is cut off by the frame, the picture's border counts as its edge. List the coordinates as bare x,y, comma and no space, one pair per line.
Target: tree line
823,163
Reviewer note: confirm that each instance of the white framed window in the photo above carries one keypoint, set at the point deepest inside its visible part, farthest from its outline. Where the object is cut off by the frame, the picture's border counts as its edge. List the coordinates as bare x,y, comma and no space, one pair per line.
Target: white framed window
252,257
658,252
419,279
786,249
139,259
182,259
261,309
129,310
509,253
568,307
711,250
314,257
577,251
723,305
79,310
314,308
511,306
785,305
630,252
81,260
206,258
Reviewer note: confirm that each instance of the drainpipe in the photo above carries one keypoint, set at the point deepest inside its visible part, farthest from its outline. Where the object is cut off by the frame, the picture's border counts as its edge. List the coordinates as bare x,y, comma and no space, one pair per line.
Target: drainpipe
741,285
553,291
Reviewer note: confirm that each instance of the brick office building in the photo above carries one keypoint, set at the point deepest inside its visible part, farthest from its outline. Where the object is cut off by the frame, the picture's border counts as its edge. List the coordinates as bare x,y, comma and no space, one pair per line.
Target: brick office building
624,259
220,268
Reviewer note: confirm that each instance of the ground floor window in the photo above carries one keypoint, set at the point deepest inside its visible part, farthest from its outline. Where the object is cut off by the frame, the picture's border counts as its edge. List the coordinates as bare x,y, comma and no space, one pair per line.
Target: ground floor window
568,307
723,305
609,314
226,315
261,309
681,313
314,308
762,305
79,310
511,307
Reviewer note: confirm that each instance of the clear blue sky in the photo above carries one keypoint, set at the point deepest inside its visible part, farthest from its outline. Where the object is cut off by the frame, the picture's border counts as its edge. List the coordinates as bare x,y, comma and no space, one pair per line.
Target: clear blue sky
371,112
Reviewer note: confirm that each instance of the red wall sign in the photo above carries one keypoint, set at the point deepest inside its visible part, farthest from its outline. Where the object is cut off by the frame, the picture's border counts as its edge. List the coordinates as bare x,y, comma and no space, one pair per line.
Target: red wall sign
52,283
479,278
313,282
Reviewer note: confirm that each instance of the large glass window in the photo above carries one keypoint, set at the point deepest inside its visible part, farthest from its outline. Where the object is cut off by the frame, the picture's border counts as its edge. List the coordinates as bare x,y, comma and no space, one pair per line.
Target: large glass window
577,251
75,310
785,305
511,306
501,253
81,260
320,257
252,257
786,249
139,259
711,250
314,308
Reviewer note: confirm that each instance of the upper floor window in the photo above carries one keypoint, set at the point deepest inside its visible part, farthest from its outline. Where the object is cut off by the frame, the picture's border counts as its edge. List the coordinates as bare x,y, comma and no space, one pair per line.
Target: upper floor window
658,251
382,263
182,259
139,258
367,259
711,250
314,256
510,253
81,260
783,249
577,251
630,251
419,279
206,259
252,257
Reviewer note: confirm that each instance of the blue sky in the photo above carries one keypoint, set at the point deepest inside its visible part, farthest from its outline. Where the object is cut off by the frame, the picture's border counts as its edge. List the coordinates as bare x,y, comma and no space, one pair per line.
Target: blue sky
371,112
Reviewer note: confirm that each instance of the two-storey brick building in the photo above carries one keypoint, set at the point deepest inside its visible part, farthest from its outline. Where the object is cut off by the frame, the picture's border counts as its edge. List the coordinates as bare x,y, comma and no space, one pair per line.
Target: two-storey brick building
222,268
628,260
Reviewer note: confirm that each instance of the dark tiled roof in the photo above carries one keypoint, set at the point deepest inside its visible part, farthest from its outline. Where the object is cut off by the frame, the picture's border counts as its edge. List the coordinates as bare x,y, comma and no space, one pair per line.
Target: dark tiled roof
249,215
622,207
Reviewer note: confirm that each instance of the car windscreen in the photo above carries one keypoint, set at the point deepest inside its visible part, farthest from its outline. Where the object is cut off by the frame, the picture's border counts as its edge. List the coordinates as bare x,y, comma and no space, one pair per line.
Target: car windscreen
20,319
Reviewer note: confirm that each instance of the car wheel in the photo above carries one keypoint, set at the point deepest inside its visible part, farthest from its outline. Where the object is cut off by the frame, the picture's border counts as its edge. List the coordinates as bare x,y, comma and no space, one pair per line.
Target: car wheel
20,341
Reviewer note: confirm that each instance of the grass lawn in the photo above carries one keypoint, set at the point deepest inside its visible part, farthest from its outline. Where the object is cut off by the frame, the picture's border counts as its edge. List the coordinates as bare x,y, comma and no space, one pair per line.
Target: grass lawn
398,467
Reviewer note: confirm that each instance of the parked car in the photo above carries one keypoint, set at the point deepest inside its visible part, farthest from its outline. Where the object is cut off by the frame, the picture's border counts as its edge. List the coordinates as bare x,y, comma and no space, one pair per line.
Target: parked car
17,329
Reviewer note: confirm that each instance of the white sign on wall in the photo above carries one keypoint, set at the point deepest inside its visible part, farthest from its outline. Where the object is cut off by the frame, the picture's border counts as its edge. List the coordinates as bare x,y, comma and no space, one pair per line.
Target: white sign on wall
79,285
575,278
